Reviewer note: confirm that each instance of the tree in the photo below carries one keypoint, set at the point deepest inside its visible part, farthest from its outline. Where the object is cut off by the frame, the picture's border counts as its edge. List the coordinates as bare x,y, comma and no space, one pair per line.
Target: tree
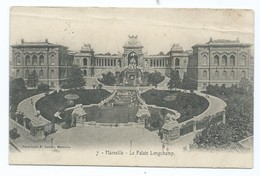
32,79
244,82
17,90
175,81
155,78
17,86
239,121
75,78
214,136
108,79
239,116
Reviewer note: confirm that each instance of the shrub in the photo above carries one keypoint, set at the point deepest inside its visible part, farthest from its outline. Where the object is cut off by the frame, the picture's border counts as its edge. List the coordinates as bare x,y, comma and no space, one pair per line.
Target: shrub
43,87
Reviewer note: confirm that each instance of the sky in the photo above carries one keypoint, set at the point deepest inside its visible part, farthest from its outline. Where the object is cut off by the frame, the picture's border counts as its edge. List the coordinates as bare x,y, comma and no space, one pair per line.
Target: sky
107,29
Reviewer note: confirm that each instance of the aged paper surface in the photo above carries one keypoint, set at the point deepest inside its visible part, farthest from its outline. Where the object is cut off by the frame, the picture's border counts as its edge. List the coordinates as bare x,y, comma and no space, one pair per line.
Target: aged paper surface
131,87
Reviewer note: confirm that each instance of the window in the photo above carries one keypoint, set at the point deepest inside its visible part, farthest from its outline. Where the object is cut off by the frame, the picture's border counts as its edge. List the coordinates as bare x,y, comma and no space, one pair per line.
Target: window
216,60
85,72
41,74
52,74
27,60
243,60
243,74
216,74
18,73
232,74
34,60
177,62
224,60
52,84
27,74
204,60
41,60
85,61
232,60
52,60
224,74
18,60
205,74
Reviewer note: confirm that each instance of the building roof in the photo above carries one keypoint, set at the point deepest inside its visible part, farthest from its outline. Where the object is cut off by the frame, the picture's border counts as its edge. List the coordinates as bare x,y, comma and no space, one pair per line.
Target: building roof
170,125
46,43
176,48
222,42
133,42
86,48
107,56
38,121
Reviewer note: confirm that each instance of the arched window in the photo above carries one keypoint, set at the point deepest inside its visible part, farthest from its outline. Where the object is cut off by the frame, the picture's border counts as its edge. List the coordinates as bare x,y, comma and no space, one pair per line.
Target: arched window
243,74
224,60
204,60
232,60
216,74
205,74
41,60
27,60
52,60
146,63
18,60
177,62
18,74
224,74
232,74
216,60
27,74
243,60
34,60
85,72
52,74
41,74
85,61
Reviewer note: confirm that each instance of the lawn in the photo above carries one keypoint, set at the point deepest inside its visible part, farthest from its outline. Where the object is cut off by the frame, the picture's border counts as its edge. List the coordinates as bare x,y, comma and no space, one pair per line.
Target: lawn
187,104
50,104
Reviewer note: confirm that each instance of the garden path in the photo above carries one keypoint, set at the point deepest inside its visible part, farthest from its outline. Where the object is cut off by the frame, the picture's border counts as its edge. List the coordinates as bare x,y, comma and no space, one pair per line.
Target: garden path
27,107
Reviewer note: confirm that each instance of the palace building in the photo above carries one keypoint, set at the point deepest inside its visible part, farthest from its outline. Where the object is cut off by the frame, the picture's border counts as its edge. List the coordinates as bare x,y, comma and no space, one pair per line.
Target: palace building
215,62
50,61
93,65
220,62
